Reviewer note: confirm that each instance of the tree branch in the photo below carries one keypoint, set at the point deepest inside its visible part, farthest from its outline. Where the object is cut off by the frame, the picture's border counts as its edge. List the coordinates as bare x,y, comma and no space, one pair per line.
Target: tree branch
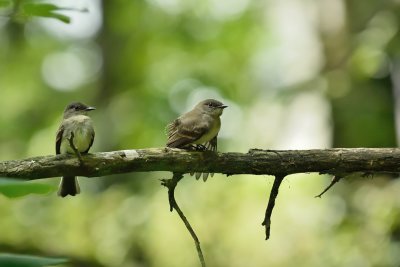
279,163
270,162
271,204
171,185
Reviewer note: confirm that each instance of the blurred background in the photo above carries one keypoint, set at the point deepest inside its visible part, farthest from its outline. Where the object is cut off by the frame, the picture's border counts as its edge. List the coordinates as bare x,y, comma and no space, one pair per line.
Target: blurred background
296,74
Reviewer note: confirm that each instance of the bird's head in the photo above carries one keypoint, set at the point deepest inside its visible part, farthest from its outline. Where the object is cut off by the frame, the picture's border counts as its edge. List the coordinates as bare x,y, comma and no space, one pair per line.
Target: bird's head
77,108
212,107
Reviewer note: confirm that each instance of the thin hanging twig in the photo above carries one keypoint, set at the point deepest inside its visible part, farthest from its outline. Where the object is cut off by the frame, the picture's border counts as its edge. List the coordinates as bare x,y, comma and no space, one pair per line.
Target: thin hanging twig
271,203
335,179
171,185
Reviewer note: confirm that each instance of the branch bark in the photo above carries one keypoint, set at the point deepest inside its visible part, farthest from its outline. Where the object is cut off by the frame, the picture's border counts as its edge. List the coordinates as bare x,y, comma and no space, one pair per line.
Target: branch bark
270,162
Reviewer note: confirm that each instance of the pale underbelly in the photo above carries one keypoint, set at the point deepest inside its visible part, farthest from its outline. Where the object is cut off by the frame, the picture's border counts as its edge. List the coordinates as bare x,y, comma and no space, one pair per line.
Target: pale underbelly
208,136
82,140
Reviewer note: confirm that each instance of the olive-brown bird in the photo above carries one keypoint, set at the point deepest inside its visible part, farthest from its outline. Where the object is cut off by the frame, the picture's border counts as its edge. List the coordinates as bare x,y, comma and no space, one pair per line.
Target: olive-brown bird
197,128
74,136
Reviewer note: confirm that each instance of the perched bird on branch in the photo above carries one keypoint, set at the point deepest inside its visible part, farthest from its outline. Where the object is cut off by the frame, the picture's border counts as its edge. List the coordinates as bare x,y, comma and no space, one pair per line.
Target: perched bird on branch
197,128
74,136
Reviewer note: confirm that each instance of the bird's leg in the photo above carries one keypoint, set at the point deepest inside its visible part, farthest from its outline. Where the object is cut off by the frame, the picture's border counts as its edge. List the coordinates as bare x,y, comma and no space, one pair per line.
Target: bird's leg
193,147
77,153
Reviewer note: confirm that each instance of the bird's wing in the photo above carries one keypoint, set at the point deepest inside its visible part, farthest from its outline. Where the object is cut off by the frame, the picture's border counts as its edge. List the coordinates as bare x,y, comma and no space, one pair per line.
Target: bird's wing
182,132
59,138
91,140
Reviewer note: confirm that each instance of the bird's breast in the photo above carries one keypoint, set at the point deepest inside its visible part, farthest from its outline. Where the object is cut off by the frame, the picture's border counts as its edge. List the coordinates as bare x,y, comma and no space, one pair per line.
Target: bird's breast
211,133
82,129
82,139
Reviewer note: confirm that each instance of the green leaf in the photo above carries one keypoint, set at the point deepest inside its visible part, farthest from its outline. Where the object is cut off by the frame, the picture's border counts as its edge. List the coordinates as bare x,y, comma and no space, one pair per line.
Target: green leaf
45,10
15,188
16,260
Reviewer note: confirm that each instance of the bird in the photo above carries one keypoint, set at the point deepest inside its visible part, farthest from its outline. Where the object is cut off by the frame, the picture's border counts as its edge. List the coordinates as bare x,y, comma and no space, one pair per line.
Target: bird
75,135
197,128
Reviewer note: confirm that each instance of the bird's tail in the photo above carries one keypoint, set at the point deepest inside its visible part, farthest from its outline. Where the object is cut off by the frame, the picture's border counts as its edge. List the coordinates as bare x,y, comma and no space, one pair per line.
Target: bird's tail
204,174
69,186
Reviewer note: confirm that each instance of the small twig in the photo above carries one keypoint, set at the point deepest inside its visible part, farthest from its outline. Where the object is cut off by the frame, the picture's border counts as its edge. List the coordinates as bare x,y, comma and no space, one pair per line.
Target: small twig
71,143
335,179
271,203
171,184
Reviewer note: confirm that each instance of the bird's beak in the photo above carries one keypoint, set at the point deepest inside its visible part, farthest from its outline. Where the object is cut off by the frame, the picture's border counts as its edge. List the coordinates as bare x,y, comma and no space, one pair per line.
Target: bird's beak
223,106
90,108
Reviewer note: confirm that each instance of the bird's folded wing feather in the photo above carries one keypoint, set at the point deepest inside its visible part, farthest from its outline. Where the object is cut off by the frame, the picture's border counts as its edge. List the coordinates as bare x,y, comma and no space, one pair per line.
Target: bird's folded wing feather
182,132
59,138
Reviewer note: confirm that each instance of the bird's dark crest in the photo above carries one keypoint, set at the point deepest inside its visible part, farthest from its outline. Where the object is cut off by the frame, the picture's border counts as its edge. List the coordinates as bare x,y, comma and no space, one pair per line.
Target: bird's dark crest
212,103
76,106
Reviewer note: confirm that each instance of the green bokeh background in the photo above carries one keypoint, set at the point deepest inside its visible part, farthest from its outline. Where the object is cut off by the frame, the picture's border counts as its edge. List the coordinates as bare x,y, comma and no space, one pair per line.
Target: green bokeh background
296,74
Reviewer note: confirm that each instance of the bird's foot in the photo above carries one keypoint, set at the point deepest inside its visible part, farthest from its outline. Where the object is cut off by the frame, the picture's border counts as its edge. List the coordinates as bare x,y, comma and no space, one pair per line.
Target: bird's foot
200,148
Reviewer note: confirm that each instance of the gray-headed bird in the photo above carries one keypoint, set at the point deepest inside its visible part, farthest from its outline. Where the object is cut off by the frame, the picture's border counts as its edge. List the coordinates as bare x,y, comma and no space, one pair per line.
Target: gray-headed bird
197,128
74,136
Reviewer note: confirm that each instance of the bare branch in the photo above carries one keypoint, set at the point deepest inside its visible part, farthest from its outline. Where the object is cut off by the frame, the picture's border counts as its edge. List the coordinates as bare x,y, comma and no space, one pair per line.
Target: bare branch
271,162
335,179
171,184
279,163
271,204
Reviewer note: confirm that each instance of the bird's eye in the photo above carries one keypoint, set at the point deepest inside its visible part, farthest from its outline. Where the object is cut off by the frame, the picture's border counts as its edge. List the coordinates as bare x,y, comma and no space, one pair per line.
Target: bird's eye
209,104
